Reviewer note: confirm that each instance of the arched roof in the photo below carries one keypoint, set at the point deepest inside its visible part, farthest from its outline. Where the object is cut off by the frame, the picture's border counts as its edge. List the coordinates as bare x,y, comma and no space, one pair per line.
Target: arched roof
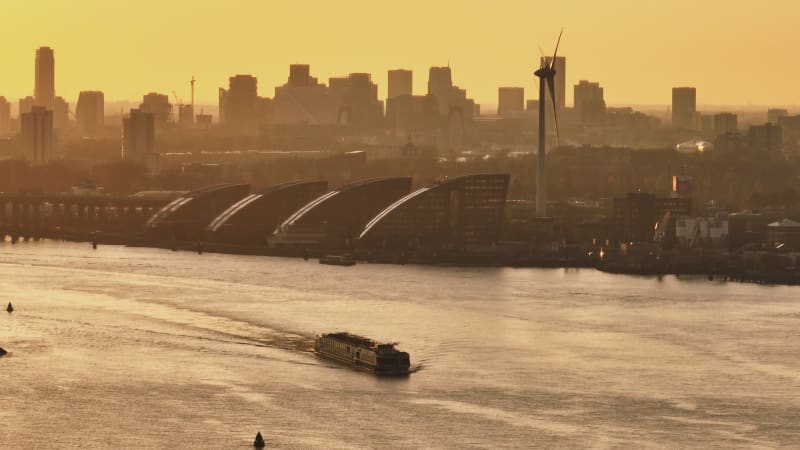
196,205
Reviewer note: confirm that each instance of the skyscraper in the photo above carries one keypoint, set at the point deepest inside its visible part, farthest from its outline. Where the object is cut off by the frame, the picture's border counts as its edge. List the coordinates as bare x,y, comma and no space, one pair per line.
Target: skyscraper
684,107
560,80
138,135
590,106
37,134
725,123
400,83
5,117
90,112
159,106
510,101
44,91
440,85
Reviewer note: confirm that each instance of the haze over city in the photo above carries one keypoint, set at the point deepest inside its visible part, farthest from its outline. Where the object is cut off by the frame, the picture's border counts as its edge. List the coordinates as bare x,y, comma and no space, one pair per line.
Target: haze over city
733,53
435,225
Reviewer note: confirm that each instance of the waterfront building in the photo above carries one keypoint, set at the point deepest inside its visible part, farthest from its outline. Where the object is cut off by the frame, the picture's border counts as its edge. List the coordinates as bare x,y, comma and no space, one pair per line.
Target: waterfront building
252,219
637,215
336,218
453,213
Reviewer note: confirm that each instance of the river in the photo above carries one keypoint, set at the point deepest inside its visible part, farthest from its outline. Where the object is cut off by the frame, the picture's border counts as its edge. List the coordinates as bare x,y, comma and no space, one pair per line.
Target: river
145,348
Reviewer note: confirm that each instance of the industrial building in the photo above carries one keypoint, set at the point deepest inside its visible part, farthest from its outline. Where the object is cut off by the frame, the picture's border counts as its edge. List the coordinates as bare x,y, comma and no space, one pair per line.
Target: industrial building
187,217
252,219
336,218
450,214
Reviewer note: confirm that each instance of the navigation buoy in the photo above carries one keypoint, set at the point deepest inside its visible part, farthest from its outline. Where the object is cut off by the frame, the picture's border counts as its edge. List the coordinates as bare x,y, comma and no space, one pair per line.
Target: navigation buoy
10,308
259,442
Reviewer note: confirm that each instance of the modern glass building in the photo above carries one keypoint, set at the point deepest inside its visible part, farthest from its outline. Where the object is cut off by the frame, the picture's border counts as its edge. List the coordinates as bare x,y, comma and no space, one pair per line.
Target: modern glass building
450,214
252,219
186,217
335,218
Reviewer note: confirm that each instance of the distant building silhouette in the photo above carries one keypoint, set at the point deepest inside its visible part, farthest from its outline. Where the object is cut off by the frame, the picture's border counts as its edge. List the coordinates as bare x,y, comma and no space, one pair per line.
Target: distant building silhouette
637,214
684,107
158,105
357,99
44,92
25,105
560,80
303,100
400,83
238,104
451,99
139,139
60,109
590,106
510,101
725,123
90,112
774,115
36,129
765,138
5,117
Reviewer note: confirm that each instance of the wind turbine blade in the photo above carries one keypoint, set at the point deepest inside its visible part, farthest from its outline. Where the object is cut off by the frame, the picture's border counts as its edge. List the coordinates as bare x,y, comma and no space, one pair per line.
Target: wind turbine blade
552,87
555,53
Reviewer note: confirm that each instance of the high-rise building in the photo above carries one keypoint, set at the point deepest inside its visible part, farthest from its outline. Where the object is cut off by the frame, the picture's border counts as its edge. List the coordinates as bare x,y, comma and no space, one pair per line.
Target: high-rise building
44,91
590,106
357,100
560,80
90,112
60,109
774,115
36,128
725,123
5,117
241,109
440,85
766,138
510,101
302,99
159,106
400,83
25,105
138,135
684,107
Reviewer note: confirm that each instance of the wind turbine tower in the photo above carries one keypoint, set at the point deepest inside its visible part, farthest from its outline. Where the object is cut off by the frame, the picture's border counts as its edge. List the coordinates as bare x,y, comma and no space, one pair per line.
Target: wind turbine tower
546,74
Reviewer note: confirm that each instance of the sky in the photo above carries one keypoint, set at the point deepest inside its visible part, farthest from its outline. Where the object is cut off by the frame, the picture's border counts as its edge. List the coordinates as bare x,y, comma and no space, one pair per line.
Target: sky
735,52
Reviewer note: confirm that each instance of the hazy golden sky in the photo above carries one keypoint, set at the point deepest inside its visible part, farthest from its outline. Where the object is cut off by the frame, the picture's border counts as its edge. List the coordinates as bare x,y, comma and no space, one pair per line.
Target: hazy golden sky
734,52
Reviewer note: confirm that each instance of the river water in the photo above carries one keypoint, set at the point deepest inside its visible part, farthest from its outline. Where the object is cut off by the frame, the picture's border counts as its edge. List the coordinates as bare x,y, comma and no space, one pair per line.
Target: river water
145,348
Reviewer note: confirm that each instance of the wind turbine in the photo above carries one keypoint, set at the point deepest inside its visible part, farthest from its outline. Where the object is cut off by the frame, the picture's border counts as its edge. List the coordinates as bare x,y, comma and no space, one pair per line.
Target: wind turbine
546,74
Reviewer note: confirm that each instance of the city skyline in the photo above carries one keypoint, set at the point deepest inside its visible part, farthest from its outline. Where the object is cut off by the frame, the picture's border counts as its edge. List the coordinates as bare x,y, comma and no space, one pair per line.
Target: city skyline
647,67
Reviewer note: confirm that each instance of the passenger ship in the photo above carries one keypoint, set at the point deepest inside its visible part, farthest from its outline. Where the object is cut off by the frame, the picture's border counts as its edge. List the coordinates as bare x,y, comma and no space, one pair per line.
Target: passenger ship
362,353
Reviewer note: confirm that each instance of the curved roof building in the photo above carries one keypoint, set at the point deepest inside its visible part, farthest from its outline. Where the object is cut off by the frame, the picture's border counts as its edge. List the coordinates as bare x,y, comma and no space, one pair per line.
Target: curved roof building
451,213
252,219
186,217
336,217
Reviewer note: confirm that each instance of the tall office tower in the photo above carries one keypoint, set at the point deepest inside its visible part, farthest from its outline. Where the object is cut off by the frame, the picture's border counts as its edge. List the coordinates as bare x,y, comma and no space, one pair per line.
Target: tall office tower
510,101
356,97
5,117
25,105
440,85
774,115
590,106
560,80
37,134
400,83
90,112
725,123
239,103
304,100
684,107
300,75
138,135
60,109
159,106
44,91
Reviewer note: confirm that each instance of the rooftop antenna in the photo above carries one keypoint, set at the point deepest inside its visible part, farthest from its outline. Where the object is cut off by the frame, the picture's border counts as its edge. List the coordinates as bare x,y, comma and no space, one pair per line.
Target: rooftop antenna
546,74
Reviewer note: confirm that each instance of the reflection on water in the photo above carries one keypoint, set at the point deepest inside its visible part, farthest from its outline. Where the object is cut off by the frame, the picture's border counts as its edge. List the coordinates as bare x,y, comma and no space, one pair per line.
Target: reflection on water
171,349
